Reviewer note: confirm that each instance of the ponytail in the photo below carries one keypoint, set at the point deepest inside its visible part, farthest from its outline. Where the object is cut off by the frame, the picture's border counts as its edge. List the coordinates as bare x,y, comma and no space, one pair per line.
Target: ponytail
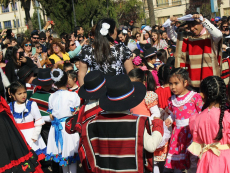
150,82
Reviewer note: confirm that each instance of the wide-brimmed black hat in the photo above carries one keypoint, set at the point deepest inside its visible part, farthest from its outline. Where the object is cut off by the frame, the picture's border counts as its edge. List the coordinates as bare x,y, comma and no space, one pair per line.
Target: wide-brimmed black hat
94,86
43,78
150,52
24,72
122,94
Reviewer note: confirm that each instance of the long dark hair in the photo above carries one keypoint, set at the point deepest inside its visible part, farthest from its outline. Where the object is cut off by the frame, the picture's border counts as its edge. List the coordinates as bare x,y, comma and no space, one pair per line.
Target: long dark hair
163,56
214,90
126,36
101,43
143,76
14,54
13,89
164,73
158,37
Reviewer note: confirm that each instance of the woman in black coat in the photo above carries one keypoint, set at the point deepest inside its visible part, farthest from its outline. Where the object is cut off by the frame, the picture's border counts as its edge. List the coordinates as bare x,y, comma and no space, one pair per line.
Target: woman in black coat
15,63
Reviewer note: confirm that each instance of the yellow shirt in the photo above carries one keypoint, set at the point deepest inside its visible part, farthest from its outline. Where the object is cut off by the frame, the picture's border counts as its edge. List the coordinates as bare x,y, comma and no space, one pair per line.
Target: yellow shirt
57,58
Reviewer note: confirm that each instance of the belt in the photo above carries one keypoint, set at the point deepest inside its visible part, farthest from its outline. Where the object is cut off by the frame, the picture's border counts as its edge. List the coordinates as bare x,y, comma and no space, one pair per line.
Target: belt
56,123
23,126
182,123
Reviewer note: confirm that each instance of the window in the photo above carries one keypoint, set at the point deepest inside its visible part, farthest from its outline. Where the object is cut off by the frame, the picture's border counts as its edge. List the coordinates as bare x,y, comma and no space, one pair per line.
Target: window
7,24
226,11
161,3
176,2
16,8
161,20
15,23
5,10
178,15
0,25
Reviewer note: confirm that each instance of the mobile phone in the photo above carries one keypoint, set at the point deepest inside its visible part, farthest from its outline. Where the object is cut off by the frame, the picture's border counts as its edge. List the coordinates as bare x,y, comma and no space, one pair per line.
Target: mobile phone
21,54
33,50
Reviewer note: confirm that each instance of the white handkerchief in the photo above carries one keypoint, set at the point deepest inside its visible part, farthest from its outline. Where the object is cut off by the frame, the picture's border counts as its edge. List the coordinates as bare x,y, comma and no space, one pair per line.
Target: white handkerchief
167,23
148,28
228,36
189,18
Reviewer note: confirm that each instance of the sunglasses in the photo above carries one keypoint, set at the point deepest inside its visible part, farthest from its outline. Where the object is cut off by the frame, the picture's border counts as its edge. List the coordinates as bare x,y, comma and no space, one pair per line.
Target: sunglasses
72,44
36,38
42,39
225,26
39,47
28,45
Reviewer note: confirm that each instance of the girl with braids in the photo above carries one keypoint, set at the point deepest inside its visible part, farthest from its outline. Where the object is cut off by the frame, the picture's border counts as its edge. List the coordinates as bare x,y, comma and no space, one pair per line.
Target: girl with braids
28,118
104,55
211,128
181,106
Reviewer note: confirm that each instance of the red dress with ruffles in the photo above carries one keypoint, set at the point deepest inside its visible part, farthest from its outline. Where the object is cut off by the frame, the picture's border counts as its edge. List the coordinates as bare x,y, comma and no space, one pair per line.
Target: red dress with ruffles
16,154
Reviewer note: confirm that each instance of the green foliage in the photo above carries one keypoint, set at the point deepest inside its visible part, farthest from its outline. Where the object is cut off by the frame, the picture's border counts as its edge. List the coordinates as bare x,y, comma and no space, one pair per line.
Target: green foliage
34,20
61,12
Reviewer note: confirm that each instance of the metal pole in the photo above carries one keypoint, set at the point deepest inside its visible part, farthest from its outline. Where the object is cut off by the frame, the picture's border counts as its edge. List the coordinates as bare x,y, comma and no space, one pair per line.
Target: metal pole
16,23
39,20
74,15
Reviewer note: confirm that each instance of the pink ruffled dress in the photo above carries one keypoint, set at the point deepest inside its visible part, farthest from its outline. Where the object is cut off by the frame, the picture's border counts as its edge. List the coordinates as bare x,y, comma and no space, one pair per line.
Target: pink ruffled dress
204,128
181,109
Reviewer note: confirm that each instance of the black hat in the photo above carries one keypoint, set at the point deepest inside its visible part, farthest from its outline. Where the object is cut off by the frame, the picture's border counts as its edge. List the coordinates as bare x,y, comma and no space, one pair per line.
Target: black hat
24,72
42,35
122,94
94,86
137,52
225,55
145,46
150,52
34,32
43,78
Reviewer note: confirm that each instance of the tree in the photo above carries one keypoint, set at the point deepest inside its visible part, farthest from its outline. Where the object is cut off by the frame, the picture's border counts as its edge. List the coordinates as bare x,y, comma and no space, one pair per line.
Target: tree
151,12
90,11
204,5
26,5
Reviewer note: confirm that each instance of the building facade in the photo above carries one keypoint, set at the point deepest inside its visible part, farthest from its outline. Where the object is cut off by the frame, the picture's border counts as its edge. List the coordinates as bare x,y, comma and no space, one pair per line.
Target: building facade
8,17
165,8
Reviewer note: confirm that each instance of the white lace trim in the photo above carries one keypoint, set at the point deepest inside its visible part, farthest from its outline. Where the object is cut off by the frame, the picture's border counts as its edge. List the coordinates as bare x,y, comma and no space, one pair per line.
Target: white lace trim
180,103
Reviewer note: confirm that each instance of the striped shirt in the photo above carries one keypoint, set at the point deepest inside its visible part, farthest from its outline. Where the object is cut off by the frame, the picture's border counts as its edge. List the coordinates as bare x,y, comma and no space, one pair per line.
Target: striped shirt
41,97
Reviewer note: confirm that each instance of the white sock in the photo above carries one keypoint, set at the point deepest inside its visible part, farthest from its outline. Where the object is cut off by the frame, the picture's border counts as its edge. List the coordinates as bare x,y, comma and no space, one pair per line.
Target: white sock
65,169
73,168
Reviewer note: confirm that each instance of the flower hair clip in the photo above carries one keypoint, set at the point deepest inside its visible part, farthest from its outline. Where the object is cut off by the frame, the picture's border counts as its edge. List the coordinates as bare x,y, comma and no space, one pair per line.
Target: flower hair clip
104,29
137,60
124,31
58,78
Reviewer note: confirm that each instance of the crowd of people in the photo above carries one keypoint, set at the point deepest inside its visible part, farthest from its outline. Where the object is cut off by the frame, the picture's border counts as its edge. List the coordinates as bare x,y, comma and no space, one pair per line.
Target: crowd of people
118,99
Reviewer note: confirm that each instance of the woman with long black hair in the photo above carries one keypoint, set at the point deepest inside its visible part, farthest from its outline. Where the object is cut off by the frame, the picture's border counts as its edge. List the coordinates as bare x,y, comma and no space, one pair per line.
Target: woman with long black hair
104,55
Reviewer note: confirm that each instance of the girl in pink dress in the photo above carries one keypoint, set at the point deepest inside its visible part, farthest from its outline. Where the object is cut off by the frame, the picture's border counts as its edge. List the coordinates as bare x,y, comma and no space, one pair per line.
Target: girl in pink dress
182,105
211,129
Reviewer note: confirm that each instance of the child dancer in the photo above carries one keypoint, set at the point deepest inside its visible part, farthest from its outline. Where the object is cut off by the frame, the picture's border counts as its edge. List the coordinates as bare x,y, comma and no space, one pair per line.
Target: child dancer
150,56
148,107
62,147
164,93
210,128
28,118
16,154
182,105
72,81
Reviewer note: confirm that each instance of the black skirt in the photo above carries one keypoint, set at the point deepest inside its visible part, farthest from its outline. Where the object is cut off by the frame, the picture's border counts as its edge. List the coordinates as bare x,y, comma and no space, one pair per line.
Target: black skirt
15,155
